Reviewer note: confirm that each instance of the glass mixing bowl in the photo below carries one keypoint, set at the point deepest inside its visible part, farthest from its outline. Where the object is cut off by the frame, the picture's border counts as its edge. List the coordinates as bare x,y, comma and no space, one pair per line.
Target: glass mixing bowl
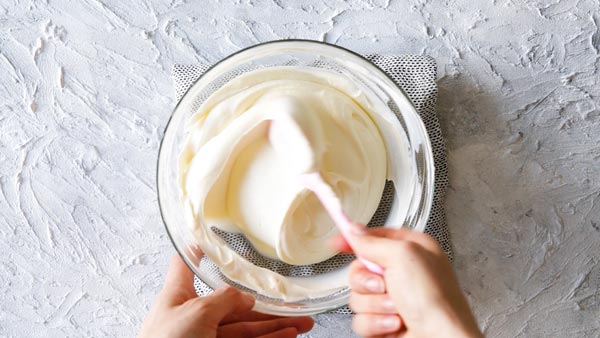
413,150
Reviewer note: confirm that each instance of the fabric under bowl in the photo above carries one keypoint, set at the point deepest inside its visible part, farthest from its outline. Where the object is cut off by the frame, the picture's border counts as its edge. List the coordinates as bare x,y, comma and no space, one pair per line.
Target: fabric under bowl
409,160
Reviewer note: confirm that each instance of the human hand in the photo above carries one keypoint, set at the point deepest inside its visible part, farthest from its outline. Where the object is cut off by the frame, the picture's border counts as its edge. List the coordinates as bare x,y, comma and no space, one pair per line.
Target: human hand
418,296
178,312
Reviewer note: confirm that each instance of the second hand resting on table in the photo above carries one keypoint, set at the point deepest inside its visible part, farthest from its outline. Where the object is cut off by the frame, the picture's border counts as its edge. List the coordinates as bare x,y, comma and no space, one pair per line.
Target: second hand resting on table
418,296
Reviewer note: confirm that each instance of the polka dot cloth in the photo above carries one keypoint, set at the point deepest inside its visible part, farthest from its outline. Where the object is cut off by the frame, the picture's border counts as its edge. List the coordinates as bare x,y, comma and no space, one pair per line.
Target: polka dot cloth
416,75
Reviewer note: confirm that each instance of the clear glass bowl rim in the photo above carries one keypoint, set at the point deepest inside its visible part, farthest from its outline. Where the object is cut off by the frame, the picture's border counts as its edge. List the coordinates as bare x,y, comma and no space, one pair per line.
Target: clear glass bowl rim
427,193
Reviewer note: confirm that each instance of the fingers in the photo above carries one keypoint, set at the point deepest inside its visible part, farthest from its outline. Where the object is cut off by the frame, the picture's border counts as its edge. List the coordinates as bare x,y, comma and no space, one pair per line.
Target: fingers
406,234
289,332
384,251
221,303
398,334
373,304
364,281
179,283
249,316
368,325
255,329
339,243
384,238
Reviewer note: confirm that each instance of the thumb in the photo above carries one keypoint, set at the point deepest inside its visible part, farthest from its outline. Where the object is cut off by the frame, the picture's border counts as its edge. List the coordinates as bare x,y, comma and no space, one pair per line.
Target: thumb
179,283
223,302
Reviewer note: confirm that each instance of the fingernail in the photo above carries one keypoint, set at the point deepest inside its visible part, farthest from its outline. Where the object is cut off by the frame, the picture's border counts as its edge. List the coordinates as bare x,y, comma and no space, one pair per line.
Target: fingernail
358,229
375,284
389,323
389,305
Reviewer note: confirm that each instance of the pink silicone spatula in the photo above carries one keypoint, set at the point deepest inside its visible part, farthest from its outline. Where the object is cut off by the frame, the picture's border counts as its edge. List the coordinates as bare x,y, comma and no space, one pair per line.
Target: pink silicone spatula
288,137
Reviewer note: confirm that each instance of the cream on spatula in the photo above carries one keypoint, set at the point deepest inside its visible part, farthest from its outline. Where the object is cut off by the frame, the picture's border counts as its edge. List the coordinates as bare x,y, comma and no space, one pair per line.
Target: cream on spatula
288,136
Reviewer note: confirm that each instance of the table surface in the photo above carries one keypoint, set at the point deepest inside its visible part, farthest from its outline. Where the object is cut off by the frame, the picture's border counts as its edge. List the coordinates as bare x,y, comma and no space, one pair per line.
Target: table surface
86,92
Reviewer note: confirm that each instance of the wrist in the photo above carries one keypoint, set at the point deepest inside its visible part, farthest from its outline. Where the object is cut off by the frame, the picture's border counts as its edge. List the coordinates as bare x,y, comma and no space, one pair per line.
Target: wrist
468,334
455,332
453,325
465,331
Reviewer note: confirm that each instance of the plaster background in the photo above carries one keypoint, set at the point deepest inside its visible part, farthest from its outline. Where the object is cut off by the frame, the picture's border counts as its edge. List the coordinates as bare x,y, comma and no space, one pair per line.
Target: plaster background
85,93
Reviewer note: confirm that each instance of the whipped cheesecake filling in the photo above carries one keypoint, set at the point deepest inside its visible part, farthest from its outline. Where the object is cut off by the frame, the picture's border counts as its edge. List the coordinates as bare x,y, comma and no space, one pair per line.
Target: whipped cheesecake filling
232,178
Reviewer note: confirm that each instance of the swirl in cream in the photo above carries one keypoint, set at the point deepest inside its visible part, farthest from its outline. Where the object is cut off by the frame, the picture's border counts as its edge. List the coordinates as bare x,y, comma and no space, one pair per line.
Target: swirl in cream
233,179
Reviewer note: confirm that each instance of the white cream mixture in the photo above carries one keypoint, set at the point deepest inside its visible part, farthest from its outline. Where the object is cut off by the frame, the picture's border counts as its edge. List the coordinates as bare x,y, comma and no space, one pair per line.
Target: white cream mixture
233,179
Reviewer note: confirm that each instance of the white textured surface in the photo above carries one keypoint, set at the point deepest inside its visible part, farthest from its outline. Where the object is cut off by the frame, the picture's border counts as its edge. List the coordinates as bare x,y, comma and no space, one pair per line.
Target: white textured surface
85,93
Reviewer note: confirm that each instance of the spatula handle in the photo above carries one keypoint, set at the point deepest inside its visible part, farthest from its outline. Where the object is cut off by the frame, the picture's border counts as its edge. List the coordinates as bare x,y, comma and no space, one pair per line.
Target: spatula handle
333,205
